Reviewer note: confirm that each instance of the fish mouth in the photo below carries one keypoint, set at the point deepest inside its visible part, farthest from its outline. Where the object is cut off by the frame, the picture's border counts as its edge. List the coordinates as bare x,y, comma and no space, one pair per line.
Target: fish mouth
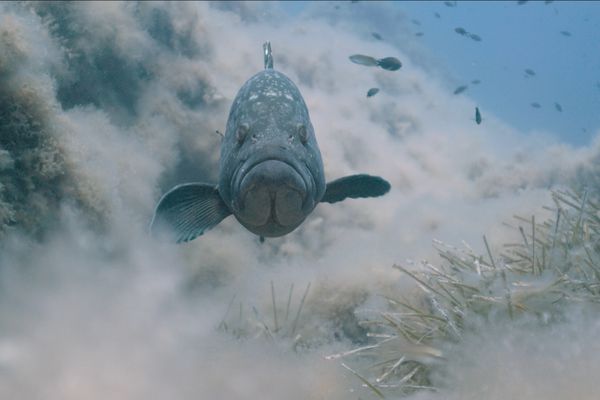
272,195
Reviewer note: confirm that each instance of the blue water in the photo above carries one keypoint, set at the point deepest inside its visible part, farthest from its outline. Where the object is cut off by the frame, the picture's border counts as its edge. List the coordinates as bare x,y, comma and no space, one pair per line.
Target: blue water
514,38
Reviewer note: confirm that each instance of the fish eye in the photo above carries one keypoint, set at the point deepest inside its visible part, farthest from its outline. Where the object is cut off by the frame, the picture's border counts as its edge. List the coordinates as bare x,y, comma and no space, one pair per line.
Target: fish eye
302,133
241,132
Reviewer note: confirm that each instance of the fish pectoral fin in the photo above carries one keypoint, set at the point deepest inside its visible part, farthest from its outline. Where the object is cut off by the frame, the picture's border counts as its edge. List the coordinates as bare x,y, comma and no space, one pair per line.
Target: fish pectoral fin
354,187
189,210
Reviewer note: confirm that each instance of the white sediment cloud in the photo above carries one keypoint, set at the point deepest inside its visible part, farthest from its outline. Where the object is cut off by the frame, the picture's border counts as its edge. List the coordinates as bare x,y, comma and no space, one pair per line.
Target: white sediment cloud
106,105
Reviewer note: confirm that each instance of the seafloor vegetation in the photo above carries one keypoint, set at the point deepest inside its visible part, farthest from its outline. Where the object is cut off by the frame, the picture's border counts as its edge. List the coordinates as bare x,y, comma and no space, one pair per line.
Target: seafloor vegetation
535,282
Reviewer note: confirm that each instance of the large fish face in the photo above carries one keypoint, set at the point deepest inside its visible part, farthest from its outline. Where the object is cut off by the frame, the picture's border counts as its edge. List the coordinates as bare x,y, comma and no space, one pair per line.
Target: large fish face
271,169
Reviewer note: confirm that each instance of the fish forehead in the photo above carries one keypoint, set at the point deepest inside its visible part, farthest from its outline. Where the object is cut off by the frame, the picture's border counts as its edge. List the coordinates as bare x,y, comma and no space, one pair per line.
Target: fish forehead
268,97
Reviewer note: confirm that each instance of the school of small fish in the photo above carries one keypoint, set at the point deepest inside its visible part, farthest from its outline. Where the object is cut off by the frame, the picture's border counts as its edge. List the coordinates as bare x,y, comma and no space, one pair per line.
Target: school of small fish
393,64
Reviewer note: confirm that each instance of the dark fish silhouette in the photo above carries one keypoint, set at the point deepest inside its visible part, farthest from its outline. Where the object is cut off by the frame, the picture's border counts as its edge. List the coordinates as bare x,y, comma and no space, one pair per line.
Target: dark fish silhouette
437,14
416,22
376,36
475,81
475,37
460,31
521,2
450,3
419,34
477,116
535,105
565,33
271,173
389,63
372,92
460,89
530,72
558,107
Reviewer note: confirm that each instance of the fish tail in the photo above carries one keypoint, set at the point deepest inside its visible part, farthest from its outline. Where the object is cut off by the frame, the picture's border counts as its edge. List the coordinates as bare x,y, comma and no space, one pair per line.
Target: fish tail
268,55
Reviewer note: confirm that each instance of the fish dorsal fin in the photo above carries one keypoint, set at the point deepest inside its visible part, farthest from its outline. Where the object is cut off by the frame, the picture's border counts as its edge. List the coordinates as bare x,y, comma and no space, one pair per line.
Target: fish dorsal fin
354,187
188,210
268,55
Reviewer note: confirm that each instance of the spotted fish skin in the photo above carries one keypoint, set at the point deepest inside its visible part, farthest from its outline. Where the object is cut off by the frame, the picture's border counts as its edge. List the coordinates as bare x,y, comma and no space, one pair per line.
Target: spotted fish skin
274,116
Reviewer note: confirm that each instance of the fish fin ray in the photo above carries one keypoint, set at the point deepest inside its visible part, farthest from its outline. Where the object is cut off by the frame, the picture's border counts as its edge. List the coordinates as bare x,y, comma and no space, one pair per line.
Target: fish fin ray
189,210
354,187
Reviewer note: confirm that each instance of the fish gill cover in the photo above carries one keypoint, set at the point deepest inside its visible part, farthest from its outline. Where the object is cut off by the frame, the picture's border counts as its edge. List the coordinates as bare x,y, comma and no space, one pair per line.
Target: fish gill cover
103,106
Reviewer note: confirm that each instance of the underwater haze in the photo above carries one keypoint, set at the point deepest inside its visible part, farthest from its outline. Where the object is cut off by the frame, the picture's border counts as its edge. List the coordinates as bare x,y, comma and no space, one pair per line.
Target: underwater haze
104,106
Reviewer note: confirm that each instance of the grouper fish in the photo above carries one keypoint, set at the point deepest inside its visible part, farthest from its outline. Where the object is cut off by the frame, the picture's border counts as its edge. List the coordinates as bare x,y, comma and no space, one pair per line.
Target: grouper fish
271,173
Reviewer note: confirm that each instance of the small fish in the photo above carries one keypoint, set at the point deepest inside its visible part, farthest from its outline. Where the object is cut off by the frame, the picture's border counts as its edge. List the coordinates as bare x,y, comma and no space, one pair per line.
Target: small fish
372,92
475,37
419,34
450,3
535,105
416,22
363,60
437,14
565,33
389,63
460,89
376,36
271,174
475,81
530,72
460,31
558,107
521,2
477,116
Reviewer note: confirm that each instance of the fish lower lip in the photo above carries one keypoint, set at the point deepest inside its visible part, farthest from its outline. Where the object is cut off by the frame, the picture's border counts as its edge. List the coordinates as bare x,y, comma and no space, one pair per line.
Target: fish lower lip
272,192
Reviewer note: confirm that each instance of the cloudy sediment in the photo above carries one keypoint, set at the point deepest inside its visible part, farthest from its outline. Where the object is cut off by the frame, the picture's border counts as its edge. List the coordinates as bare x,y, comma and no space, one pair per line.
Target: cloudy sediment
104,106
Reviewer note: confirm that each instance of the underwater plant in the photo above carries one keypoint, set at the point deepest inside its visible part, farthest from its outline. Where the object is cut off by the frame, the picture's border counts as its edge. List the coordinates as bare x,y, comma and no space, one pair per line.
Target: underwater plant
555,266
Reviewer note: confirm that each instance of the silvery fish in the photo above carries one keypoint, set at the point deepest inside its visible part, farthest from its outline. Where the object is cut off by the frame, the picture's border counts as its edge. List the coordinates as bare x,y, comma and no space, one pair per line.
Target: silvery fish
363,60
271,173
